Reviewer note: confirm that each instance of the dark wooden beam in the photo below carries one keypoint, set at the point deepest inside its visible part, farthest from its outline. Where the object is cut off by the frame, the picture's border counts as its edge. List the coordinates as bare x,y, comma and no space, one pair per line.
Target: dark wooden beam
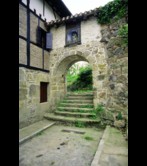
32,42
43,7
28,33
33,68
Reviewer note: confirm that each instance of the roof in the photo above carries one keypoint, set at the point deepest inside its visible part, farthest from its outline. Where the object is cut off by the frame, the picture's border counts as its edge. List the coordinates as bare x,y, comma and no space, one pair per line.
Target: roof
59,7
80,16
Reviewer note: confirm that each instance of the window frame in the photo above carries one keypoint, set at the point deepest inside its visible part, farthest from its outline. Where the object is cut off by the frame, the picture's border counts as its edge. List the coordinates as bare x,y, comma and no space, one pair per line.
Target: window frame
43,92
75,27
44,39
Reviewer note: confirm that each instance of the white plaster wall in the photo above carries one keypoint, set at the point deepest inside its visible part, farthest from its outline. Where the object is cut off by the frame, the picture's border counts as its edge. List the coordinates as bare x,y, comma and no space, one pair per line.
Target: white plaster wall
25,2
38,5
49,15
58,36
90,30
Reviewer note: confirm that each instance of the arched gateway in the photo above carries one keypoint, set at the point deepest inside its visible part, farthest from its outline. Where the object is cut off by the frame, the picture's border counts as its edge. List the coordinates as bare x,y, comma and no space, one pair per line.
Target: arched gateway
63,59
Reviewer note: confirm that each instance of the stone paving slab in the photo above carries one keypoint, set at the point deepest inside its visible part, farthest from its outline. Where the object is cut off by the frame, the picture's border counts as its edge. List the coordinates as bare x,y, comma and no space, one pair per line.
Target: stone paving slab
112,150
26,131
61,146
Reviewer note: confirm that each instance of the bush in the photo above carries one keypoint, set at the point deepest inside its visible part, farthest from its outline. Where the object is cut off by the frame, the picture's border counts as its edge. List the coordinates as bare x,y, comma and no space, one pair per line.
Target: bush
83,81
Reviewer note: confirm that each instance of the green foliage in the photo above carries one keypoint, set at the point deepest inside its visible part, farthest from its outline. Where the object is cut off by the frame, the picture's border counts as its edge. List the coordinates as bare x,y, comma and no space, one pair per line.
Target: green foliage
123,32
73,72
40,133
71,78
83,81
52,163
119,116
99,109
115,9
88,138
94,116
82,91
87,106
97,112
79,124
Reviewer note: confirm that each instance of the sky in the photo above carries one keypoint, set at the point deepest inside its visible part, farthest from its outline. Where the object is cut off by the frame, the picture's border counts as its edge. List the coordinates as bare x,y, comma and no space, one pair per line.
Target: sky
77,6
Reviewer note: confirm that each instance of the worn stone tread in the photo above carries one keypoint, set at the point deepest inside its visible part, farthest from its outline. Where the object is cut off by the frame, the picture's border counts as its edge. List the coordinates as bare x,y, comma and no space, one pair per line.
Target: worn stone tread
75,109
78,98
78,101
52,116
82,114
76,104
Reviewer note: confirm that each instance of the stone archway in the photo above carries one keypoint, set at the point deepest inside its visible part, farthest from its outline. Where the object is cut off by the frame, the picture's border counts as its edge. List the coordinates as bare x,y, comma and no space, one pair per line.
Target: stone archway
62,60
64,66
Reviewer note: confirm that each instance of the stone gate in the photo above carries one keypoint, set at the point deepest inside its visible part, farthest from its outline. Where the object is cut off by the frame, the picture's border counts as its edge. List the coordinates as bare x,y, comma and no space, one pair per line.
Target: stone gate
63,58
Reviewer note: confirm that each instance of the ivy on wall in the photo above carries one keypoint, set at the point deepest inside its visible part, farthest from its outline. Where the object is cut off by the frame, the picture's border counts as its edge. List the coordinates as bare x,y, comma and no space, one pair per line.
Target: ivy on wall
123,33
113,10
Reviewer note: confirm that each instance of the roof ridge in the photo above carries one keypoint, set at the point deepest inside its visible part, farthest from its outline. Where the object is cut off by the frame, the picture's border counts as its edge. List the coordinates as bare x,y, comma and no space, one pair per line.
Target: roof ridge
63,19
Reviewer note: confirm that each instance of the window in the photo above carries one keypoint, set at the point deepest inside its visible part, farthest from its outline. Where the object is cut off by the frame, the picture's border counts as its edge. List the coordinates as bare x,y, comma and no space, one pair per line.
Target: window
44,39
73,34
43,92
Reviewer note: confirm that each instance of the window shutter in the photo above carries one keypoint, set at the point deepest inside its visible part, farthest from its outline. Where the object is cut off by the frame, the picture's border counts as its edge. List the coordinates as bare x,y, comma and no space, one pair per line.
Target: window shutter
79,34
49,39
39,36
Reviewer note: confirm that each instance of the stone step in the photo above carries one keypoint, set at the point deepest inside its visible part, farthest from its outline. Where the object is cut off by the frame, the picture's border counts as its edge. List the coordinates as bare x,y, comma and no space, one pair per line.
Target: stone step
78,101
75,109
79,98
80,95
74,114
58,118
83,94
80,105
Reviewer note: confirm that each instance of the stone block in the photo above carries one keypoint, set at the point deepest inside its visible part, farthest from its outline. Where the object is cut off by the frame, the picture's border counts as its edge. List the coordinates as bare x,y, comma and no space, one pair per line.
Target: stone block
102,94
54,88
22,94
33,90
86,53
22,76
119,123
101,77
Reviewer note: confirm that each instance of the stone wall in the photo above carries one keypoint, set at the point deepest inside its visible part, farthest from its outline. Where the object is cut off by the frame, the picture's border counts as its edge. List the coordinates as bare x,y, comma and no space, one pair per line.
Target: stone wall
117,60
30,108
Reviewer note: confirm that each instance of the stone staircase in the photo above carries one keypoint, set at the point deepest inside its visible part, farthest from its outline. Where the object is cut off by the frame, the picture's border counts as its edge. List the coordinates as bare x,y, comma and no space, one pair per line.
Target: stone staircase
75,108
